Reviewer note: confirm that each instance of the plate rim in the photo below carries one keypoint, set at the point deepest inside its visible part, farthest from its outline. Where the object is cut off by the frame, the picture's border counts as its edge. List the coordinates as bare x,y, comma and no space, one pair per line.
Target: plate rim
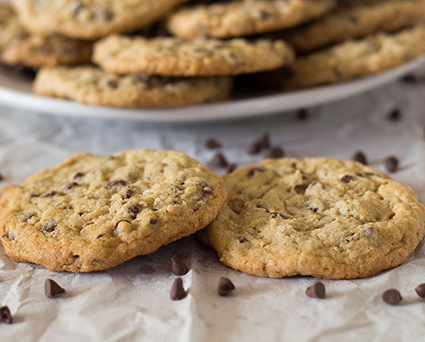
219,111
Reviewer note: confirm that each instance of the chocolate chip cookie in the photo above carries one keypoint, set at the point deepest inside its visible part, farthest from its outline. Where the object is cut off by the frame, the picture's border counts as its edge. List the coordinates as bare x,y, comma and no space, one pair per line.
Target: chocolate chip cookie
246,17
320,217
356,59
92,212
199,57
17,47
90,19
96,87
356,19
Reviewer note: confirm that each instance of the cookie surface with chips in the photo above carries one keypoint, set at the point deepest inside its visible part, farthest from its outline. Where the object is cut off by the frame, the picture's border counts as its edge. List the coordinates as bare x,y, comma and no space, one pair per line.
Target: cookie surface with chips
246,17
93,212
199,57
320,217
356,19
90,19
96,87
18,47
356,59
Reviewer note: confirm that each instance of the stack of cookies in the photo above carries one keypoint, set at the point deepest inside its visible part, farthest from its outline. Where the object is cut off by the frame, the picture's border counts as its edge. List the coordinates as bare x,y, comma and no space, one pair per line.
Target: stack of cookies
163,53
322,217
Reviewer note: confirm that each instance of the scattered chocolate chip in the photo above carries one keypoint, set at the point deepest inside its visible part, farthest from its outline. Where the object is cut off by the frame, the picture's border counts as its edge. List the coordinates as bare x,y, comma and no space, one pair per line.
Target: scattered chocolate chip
276,152
117,224
178,267
52,288
113,84
302,115
264,141
78,175
5,315
392,297
395,115
254,148
360,157
177,290
391,164
100,236
49,227
420,290
231,168
115,183
219,160
153,220
70,186
347,179
225,286
242,240
212,143
317,290
253,171
134,209
412,79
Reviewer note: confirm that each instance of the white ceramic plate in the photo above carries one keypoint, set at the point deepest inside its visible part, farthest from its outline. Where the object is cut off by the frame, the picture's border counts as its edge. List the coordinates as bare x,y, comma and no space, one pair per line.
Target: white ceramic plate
16,92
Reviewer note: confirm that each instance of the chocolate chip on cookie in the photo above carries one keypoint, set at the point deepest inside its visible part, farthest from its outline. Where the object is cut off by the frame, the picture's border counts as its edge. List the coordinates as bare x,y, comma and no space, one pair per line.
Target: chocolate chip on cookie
177,290
178,267
392,297
52,288
317,290
225,286
347,179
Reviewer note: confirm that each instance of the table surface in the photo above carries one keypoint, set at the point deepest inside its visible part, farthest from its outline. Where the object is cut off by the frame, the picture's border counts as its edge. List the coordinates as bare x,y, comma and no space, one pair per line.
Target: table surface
131,302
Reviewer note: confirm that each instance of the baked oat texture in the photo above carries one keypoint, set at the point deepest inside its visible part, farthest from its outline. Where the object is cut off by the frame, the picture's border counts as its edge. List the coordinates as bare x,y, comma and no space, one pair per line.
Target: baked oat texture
92,212
96,87
354,19
90,19
246,17
315,217
17,47
199,57
356,59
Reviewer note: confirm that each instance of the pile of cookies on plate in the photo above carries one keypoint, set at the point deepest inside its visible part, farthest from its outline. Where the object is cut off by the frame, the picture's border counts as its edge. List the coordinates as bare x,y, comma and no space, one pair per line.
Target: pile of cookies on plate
164,53
321,217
